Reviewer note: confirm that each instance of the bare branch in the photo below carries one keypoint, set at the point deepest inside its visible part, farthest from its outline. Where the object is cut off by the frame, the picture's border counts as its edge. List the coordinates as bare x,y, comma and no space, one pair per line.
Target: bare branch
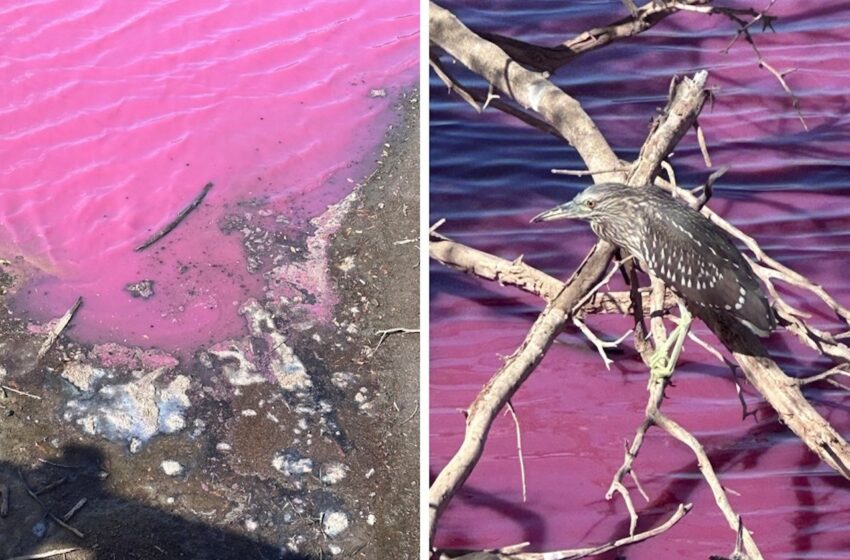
530,89
453,86
514,552
598,343
510,408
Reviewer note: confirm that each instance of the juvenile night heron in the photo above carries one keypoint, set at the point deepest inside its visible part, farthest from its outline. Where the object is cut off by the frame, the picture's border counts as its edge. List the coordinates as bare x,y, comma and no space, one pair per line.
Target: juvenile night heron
678,245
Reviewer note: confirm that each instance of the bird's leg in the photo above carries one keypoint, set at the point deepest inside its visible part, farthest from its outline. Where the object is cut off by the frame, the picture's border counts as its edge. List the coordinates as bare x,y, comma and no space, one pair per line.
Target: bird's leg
663,361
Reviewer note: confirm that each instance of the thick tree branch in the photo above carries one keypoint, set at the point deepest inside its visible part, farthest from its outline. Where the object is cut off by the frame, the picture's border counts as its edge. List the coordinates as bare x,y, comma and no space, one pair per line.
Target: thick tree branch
550,59
527,278
534,92
530,89
556,107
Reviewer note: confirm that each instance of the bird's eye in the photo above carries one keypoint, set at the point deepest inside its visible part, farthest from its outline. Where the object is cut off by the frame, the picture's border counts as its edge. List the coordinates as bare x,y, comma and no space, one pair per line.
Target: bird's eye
590,204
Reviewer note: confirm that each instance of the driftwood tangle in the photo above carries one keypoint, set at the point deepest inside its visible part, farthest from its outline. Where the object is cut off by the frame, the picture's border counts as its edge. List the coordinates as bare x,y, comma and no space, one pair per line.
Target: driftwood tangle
519,72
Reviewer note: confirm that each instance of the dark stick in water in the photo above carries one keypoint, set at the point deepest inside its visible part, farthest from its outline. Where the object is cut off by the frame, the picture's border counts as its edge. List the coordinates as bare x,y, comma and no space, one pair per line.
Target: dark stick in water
176,221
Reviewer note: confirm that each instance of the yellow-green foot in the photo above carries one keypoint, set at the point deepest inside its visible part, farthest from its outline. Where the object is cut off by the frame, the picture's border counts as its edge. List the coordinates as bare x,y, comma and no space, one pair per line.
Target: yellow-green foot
662,364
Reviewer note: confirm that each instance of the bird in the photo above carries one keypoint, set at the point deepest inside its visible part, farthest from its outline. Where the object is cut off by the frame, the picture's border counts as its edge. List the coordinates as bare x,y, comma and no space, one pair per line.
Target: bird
676,244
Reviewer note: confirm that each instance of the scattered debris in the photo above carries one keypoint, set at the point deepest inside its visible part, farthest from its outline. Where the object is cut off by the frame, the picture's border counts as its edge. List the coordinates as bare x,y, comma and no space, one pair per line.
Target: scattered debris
387,332
19,392
142,289
135,445
235,365
49,513
334,523
343,379
346,264
291,463
284,365
171,468
138,409
334,472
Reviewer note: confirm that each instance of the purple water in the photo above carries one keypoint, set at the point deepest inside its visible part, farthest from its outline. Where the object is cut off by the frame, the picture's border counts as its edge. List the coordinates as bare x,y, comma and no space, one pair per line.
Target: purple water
786,187
115,114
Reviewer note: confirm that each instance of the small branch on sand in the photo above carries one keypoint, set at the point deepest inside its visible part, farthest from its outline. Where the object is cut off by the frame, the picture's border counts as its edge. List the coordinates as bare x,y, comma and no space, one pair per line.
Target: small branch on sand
44,508
50,486
73,511
47,554
387,332
176,221
57,330
19,392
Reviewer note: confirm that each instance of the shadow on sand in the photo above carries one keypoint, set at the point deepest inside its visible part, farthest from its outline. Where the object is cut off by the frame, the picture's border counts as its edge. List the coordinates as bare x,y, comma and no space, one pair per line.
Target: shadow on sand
113,527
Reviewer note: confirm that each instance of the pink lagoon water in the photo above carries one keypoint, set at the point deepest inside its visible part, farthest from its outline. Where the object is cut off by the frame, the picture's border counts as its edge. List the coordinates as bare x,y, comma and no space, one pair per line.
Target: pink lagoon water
115,114
787,187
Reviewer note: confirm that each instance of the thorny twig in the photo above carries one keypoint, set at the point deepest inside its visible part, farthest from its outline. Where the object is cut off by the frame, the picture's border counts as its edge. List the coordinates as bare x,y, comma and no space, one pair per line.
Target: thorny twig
600,285
739,17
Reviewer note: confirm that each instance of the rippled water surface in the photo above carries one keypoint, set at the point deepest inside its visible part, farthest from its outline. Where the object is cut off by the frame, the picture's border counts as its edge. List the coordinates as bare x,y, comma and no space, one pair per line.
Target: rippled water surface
115,114
787,187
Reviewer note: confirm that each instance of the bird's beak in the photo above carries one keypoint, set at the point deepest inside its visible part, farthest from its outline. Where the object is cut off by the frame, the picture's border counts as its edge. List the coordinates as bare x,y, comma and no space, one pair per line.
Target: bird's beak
560,212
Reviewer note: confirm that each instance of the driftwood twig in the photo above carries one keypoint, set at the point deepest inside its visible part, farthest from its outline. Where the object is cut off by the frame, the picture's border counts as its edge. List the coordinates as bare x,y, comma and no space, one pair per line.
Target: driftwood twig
176,221
60,326
46,510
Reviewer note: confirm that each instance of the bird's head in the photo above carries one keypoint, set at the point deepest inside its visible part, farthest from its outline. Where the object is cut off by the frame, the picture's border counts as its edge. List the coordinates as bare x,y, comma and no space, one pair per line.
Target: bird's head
590,204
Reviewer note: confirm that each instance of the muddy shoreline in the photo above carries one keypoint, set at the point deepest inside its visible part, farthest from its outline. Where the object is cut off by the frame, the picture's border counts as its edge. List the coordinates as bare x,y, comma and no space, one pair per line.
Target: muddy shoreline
298,440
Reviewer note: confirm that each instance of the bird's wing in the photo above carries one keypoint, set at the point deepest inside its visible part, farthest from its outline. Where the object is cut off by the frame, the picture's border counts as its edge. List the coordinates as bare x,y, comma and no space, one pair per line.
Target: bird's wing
701,263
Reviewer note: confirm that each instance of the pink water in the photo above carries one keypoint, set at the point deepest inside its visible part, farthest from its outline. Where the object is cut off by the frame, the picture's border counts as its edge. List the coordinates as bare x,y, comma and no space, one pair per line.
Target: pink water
115,114
786,187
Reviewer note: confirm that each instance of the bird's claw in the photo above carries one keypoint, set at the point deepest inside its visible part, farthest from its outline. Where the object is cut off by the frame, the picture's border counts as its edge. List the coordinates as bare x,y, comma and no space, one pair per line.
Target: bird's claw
660,368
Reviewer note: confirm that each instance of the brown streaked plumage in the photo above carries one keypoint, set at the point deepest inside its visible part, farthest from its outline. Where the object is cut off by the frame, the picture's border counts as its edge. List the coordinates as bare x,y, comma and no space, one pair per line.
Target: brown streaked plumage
677,244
